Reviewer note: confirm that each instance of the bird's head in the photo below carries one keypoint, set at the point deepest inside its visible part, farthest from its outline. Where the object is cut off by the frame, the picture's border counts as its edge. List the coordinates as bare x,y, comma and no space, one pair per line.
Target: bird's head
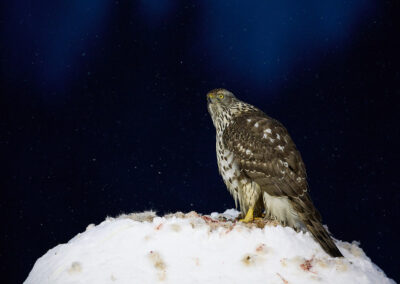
219,104
219,101
223,106
220,97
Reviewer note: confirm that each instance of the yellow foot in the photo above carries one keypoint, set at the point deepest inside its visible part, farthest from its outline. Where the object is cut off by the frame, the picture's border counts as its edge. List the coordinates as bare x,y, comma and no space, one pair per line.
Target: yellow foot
249,216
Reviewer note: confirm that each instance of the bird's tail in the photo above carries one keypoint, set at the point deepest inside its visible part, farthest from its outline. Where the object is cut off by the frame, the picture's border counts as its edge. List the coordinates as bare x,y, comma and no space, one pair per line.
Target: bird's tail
322,237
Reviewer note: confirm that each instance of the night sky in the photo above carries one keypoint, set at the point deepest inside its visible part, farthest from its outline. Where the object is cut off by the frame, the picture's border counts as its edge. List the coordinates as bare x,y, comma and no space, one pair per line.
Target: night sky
103,111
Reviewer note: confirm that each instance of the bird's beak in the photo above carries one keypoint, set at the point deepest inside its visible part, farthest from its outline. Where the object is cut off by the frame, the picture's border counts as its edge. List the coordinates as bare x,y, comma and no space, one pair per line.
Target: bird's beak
210,97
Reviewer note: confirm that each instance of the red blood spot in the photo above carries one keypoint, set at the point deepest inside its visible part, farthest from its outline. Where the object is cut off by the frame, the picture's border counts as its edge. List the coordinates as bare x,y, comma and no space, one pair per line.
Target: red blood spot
230,228
307,265
260,248
283,279
208,219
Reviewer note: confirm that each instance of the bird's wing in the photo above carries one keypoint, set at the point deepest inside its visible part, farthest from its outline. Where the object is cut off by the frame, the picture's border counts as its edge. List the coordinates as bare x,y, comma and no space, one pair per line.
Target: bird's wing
267,155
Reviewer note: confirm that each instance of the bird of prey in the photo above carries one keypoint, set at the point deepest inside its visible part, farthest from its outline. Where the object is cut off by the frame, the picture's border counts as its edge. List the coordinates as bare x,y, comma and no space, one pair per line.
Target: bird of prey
262,168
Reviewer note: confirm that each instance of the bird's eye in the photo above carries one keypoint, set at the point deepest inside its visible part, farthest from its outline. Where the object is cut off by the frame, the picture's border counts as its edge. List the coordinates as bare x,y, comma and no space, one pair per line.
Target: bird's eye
221,96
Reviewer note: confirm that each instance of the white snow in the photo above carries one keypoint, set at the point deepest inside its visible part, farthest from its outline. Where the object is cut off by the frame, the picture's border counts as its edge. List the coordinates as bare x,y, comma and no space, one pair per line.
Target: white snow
190,248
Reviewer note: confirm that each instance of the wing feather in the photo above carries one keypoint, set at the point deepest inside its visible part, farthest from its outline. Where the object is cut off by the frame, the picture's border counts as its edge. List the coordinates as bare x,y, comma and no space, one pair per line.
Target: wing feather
267,155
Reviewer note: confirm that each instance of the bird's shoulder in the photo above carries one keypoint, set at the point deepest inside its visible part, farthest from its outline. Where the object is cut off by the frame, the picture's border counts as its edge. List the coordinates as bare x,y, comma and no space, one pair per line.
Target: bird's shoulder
259,130
261,144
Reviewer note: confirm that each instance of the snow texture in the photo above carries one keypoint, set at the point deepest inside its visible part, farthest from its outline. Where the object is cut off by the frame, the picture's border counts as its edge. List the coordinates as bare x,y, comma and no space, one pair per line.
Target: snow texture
191,248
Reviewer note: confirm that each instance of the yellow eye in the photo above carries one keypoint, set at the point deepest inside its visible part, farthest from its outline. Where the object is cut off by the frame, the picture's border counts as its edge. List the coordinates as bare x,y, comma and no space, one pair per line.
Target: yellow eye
221,96
211,96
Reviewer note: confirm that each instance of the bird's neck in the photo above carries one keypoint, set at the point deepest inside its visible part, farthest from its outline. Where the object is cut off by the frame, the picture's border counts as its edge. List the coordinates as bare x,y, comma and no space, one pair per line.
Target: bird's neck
238,109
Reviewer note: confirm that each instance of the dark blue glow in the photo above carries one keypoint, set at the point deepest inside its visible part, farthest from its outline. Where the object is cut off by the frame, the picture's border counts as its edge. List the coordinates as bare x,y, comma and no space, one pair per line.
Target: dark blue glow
154,10
47,39
261,42
75,26
257,42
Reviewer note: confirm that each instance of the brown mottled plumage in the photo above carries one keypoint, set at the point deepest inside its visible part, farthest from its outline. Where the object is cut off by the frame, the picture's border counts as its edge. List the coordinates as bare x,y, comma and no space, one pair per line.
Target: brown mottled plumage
262,167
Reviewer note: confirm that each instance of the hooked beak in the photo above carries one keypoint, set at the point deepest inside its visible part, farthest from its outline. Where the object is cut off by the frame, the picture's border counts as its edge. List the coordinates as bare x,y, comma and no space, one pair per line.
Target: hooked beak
210,97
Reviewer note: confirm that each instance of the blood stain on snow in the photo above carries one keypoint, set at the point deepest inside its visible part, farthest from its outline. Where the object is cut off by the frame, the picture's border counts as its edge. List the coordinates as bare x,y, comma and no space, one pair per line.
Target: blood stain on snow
208,219
230,228
261,249
307,265
283,279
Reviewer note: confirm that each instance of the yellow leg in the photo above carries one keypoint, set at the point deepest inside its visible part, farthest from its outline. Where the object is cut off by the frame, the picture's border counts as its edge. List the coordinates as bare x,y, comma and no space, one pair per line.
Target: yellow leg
249,216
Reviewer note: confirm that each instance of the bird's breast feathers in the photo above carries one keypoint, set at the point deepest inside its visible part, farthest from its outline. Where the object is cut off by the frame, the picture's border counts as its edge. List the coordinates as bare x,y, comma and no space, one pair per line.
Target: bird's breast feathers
227,165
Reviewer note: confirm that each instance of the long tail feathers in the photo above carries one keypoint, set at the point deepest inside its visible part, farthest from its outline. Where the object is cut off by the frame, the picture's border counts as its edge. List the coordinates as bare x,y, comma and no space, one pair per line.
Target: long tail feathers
322,237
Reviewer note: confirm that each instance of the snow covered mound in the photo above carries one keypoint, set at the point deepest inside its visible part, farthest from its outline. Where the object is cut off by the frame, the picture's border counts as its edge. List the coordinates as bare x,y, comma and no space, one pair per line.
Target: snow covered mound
190,248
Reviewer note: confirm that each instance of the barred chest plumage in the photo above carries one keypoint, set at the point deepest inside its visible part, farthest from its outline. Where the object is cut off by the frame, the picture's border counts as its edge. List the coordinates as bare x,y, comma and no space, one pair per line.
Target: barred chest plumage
228,169
227,165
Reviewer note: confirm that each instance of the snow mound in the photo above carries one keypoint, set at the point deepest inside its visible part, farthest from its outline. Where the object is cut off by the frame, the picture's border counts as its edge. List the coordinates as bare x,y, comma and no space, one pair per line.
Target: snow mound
191,248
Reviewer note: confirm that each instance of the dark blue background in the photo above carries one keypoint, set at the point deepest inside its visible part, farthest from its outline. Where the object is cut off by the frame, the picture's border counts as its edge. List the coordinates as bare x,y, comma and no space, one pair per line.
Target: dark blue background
103,111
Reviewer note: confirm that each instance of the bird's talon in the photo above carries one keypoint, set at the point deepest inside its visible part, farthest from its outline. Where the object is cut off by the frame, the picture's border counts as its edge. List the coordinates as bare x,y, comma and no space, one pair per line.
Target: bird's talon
249,216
